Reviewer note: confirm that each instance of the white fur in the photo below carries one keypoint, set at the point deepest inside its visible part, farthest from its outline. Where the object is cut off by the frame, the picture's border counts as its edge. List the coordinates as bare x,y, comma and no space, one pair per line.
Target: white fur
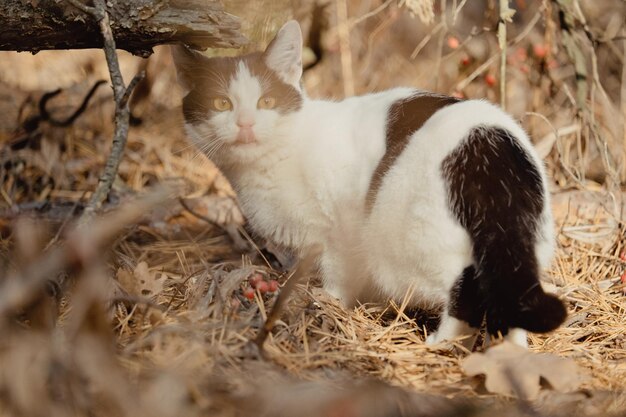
306,185
284,55
304,182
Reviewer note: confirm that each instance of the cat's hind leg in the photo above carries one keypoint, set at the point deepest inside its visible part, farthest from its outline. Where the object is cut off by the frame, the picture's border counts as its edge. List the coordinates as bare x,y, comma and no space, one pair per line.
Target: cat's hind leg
464,313
518,337
502,207
451,328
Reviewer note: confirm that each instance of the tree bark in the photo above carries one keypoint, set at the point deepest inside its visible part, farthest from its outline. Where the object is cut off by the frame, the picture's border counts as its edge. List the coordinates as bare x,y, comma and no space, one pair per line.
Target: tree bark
138,25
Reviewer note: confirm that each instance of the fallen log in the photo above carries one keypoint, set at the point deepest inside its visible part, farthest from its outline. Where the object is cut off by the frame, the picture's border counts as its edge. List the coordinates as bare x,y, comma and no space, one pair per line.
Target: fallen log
138,25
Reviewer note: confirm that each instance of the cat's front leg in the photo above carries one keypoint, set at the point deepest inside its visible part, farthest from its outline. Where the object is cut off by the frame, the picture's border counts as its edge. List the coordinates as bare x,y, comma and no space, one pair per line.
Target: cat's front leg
340,279
339,293
463,313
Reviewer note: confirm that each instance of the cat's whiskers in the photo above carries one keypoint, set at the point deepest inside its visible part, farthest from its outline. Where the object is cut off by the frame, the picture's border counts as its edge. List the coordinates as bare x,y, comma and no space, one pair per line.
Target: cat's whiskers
180,151
214,149
212,145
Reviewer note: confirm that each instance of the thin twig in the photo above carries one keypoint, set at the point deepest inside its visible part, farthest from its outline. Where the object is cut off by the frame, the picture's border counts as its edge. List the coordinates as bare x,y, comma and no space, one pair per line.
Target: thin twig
505,16
440,40
303,268
343,32
44,115
623,108
466,81
121,95
231,228
81,249
356,21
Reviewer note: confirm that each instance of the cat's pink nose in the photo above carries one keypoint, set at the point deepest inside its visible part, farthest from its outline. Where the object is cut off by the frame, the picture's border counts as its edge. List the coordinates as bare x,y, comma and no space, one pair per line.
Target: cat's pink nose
245,124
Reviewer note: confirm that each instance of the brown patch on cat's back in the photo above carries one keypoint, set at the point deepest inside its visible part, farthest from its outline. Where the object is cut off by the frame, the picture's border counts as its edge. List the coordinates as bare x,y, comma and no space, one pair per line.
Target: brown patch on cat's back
404,118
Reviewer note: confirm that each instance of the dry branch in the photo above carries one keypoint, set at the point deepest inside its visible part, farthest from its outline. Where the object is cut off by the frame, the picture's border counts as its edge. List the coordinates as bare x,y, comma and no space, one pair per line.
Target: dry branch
137,25
302,269
505,16
82,247
121,94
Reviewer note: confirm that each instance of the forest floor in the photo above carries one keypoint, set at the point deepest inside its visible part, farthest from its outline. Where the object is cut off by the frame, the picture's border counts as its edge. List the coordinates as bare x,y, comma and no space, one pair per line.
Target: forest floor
160,321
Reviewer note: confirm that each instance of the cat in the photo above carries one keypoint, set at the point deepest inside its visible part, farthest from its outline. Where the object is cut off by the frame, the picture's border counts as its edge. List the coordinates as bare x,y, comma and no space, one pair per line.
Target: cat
403,191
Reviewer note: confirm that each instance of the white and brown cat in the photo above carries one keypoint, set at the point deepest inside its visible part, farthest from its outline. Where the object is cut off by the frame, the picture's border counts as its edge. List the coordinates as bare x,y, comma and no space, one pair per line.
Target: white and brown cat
404,191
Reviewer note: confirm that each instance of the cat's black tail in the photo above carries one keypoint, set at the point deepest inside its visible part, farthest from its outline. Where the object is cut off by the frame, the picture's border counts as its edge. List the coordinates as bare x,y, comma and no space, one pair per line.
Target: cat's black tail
496,193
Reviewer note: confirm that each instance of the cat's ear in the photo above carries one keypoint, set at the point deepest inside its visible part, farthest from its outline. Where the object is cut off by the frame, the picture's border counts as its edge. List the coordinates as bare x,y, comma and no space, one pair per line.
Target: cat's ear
189,65
284,53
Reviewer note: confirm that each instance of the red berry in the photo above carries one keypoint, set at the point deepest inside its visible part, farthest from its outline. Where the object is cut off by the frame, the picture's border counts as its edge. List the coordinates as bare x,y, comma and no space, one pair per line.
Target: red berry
622,256
273,285
248,293
465,61
539,50
490,80
453,42
262,286
255,279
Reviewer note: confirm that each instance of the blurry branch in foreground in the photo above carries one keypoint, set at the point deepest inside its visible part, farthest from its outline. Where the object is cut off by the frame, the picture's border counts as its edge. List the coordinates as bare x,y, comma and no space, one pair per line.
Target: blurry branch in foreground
82,248
303,268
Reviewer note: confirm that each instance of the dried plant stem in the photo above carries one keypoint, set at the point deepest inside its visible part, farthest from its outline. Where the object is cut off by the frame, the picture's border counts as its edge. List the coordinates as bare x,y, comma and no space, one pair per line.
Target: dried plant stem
121,94
383,6
504,16
231,228
82,247
533,22
303,268
623,101
343,32
575,53
440,41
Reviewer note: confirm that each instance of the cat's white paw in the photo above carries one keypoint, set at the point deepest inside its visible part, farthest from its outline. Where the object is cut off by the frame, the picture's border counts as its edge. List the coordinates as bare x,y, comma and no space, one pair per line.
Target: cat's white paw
442,344
335,292
451,329
432,339
517,336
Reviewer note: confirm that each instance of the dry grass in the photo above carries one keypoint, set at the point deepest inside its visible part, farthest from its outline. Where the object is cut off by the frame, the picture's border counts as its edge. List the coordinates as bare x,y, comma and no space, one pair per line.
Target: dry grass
180,341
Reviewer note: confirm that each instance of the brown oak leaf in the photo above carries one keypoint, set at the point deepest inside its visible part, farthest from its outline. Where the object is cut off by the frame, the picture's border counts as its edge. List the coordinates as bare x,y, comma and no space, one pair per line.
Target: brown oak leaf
514,371
141,281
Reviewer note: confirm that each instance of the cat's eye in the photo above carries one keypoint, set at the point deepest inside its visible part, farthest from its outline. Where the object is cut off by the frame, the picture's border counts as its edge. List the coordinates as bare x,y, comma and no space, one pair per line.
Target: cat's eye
222,104
266,102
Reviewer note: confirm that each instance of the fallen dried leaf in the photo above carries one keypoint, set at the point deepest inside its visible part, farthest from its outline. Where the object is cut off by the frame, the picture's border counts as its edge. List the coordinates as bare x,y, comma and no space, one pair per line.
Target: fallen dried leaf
514,371
141,281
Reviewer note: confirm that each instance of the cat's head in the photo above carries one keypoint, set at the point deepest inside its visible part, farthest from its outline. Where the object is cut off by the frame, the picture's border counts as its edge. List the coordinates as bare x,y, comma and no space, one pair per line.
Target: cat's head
240,107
